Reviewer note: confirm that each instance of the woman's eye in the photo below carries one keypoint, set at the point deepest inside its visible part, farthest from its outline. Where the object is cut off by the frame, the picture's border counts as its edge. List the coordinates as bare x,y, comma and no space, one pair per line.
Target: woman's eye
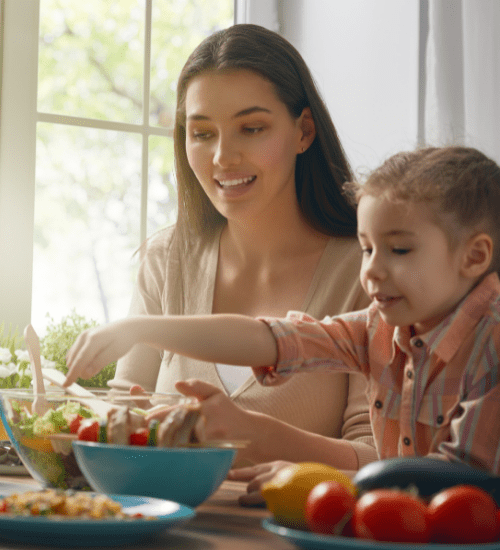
401,251
253,129
201,136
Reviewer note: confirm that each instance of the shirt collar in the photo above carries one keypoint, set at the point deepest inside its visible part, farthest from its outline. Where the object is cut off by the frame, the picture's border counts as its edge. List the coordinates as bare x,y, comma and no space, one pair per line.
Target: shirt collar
446,338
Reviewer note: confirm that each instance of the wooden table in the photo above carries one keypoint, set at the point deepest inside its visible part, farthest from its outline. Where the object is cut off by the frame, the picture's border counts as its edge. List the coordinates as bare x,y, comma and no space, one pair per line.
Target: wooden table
220,523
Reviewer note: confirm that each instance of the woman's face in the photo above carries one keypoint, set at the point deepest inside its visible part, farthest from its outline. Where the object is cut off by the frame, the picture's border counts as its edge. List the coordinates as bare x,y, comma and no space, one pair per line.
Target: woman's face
242,143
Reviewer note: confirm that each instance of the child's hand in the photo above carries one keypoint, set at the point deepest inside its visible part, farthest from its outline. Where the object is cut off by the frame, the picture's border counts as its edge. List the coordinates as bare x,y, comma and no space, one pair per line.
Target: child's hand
256,476
96,348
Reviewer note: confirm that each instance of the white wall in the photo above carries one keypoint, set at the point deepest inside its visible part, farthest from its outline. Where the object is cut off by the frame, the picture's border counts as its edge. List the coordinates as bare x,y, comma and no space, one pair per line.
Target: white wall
364,57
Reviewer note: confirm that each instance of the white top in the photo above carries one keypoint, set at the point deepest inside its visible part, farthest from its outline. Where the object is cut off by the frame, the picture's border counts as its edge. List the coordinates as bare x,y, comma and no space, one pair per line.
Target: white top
233,377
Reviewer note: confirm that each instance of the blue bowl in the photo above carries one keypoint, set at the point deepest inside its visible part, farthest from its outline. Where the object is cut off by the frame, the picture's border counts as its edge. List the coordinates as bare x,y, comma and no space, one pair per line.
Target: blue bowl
185,475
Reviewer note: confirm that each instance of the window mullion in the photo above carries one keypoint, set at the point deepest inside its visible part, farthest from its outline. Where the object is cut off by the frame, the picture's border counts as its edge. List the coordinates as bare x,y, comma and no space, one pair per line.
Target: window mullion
145,120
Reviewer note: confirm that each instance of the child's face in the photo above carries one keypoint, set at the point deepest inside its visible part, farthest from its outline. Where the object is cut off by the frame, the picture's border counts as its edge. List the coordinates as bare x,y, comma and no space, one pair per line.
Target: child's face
408,269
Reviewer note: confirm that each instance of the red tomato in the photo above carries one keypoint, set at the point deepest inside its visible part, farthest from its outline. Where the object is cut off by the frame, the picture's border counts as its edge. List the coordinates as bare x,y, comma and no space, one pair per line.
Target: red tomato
88,430
391,516
75,424
329,506
462,514
348,530
498,524
139,437
3,507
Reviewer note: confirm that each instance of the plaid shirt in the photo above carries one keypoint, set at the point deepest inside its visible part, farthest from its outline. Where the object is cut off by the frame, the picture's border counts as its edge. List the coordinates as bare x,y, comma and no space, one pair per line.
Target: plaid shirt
436,394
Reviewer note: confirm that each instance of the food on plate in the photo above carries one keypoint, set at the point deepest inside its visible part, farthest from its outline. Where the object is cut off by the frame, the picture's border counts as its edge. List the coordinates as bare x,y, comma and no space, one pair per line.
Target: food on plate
463,514
427,475
329,508
286,493
391,516
322,500
59,503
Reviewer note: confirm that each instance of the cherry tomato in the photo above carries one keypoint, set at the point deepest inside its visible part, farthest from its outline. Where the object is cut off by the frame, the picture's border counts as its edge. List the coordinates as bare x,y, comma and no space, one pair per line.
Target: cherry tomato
139,437
75,424
498,524
329,506
348,530
463,514
391,516
4,507
88,430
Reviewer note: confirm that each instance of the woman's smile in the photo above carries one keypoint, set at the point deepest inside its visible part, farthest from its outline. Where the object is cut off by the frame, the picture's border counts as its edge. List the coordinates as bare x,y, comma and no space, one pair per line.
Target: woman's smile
234,183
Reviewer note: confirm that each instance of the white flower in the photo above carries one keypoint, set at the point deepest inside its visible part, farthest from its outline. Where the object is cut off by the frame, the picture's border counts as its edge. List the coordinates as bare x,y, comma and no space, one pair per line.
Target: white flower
22,355
4,371
12,367
5,355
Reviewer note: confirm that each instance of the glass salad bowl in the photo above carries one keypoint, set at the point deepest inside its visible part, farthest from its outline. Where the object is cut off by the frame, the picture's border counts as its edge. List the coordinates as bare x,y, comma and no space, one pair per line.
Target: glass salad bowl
43,441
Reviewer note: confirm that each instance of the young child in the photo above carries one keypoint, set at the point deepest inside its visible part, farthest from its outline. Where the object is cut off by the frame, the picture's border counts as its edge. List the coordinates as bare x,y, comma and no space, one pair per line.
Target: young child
429,343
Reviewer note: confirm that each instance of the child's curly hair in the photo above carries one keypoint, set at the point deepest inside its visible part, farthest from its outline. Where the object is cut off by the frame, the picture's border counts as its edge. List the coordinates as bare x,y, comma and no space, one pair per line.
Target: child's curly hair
461,184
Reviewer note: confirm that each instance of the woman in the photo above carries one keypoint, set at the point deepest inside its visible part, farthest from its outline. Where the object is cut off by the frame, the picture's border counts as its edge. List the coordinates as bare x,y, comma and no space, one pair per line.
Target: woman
262,228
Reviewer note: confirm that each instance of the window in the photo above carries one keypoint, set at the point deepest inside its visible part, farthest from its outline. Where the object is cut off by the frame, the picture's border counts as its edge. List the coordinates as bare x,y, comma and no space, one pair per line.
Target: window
104,155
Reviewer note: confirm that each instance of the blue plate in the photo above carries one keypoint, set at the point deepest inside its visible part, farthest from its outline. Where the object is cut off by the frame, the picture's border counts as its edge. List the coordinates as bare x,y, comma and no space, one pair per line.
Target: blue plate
39,530
311,541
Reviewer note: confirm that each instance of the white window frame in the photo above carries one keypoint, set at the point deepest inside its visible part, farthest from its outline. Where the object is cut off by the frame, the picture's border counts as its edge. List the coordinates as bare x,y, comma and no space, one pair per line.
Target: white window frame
18,119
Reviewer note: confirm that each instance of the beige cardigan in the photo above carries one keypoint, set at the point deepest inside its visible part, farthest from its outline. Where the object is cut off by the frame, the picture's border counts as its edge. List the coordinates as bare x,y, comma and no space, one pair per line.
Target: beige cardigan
174,281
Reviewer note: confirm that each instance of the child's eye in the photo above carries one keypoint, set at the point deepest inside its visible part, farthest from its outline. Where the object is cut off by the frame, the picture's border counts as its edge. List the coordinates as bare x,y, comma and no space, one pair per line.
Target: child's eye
401,251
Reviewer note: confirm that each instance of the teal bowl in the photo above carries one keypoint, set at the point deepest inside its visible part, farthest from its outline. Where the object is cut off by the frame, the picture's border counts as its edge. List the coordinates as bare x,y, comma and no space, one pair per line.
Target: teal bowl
185,475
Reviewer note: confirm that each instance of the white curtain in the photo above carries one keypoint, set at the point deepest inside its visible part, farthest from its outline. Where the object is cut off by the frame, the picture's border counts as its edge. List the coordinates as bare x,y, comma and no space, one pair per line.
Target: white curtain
462,104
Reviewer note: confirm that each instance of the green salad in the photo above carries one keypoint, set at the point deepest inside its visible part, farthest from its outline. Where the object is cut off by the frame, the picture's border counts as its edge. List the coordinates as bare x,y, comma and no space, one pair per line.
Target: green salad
52,462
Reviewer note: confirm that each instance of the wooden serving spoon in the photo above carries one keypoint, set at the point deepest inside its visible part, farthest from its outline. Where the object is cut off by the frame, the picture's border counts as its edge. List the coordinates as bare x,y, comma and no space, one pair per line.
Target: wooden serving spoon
84,396
40,404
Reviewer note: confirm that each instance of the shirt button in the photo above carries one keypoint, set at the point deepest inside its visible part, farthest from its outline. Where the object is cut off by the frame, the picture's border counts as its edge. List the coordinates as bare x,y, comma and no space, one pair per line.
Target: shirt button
378,404
440,419
407,441
409,374
419,343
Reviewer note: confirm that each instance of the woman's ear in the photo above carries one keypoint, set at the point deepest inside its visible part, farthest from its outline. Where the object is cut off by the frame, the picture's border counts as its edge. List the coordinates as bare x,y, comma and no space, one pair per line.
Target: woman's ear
308,128
477,256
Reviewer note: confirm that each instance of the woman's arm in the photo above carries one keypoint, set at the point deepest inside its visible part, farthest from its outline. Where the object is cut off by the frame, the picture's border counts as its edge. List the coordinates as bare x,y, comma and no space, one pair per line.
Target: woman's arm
230,339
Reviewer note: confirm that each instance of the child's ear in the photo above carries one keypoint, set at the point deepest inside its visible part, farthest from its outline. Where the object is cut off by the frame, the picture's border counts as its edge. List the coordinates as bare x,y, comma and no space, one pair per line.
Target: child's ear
477,256
308,128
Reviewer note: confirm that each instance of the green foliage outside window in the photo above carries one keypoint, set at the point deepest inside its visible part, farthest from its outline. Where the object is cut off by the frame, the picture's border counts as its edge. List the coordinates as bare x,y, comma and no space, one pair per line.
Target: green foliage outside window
54,345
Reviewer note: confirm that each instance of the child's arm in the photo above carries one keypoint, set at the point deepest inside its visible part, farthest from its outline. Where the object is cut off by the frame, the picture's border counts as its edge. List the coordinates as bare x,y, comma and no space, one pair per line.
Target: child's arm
229,339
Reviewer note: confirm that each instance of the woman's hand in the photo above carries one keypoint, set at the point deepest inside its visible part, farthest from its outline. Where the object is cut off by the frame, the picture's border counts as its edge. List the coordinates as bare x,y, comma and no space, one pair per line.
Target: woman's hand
256,476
